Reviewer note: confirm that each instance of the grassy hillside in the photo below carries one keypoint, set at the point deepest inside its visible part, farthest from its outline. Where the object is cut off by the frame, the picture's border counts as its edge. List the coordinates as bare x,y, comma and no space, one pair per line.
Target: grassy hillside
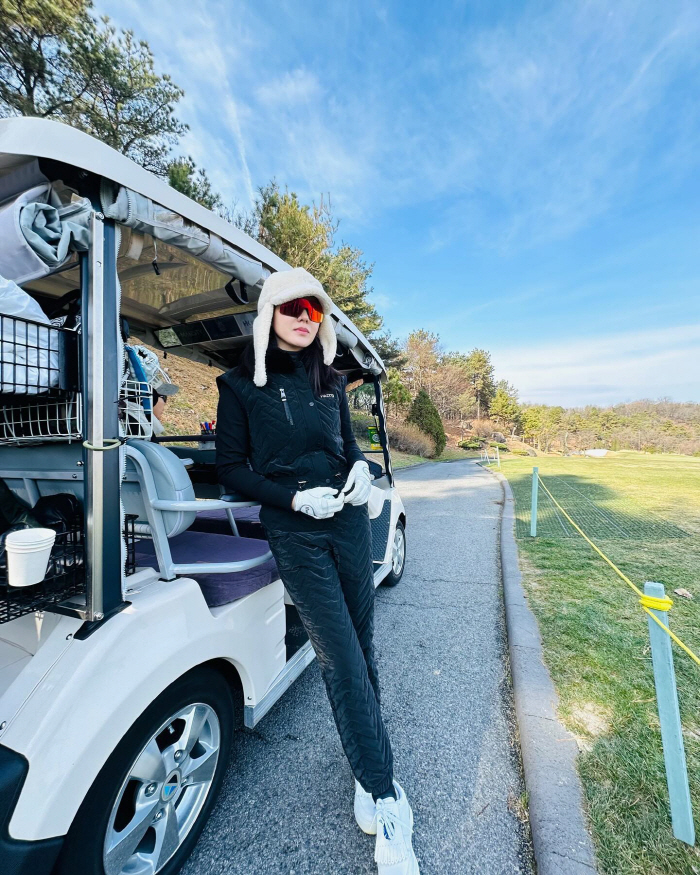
198,396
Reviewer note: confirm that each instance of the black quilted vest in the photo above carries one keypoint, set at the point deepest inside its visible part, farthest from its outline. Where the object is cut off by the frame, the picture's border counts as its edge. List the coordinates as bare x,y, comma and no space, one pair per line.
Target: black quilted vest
295,436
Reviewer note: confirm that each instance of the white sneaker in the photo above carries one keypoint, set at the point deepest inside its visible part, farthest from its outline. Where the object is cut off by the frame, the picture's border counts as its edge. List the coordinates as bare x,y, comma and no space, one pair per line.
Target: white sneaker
366,809
393,852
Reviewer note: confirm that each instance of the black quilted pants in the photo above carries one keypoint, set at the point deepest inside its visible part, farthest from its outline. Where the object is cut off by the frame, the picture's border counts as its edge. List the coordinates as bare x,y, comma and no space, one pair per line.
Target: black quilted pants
328,573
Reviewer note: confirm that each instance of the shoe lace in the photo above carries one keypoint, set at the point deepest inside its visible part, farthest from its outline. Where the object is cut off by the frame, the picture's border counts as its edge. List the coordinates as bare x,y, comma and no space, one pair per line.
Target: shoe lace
388,817
388,821
390,851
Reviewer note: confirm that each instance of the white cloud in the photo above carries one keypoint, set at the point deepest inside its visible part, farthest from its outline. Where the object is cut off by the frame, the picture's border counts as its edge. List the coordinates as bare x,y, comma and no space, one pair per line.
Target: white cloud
479,134
230,114
572,107
606,369
522,132
292,88
382,301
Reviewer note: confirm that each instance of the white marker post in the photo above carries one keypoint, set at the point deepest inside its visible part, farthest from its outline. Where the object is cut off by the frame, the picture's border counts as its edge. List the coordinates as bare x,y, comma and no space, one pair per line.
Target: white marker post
533,504
670,719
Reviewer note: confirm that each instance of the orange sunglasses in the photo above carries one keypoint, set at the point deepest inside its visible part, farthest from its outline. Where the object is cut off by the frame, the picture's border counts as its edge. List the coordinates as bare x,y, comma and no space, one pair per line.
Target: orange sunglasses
298,305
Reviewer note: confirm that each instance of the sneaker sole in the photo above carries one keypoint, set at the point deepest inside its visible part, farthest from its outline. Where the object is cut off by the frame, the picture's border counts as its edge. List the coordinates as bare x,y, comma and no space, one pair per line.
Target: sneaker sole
366,824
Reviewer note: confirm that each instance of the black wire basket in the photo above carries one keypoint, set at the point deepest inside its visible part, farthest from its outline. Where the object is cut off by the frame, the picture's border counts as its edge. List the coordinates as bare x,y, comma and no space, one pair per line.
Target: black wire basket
65,578
37,359
39,382
65,575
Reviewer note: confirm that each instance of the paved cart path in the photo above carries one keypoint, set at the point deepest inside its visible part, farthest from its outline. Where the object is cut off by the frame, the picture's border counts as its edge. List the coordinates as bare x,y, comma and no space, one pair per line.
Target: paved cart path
286,804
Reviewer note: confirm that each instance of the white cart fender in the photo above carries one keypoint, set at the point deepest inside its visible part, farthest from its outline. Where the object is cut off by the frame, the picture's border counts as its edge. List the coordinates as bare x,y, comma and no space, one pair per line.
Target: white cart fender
96,688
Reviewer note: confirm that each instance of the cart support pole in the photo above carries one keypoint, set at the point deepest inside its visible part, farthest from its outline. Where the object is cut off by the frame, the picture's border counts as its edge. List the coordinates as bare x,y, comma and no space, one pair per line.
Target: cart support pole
670,719
100,378
533,506
383,436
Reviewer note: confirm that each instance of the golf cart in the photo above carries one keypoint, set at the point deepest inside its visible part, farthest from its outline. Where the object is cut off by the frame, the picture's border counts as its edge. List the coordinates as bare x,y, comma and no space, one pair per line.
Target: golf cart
160,620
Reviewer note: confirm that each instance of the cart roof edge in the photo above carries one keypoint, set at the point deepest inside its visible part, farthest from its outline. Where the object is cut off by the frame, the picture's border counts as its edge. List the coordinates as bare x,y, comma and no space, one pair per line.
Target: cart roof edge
23,137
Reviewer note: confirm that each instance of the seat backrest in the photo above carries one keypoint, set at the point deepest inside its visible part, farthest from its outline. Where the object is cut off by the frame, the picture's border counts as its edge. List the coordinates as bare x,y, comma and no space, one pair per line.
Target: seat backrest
171,482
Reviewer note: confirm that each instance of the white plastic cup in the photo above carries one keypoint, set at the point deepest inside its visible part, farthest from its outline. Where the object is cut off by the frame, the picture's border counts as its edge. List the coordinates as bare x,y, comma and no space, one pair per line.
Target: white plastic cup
28,552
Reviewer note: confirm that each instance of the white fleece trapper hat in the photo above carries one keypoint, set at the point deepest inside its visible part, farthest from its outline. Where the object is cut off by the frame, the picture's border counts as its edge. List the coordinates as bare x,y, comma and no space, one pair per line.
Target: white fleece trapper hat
280,287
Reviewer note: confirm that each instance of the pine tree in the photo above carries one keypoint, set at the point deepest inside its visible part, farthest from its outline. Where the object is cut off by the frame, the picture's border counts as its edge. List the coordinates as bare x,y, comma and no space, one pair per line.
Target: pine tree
396,394
505,409
58,62
185,176
479,373
304,236
424,414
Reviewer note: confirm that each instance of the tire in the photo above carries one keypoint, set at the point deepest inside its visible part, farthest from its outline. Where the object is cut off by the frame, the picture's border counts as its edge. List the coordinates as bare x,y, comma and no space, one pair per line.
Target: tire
160,784
398,556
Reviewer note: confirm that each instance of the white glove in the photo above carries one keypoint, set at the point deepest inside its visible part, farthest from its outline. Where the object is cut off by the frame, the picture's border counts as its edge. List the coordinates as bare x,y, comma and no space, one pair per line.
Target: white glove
358,485
321,502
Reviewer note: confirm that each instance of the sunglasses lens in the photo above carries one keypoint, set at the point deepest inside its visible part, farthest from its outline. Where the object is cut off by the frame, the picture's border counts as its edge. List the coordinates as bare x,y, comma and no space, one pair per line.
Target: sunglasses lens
298,305
314,309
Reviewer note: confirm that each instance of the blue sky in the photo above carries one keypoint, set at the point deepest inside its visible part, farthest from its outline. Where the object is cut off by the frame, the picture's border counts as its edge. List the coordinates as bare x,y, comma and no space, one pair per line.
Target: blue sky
524,175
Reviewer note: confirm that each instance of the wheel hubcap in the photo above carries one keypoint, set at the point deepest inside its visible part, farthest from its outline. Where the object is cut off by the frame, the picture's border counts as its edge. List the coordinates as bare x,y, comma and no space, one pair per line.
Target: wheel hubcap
163,794
398,552
171,788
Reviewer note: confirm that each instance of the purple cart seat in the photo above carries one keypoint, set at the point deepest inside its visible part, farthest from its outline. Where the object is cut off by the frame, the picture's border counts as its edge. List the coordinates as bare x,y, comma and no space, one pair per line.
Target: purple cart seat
216,522
198,547
251,514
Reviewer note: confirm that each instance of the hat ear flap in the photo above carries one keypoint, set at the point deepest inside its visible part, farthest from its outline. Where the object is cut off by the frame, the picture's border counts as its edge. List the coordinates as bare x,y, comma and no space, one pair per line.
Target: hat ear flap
328,340
261,339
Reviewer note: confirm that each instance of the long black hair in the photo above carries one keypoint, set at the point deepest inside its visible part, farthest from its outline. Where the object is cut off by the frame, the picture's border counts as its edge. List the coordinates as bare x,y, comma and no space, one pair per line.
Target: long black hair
323,377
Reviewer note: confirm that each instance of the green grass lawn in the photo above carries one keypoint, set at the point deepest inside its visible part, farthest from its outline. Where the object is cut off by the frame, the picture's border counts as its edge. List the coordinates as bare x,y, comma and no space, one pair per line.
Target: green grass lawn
403,460
449,454
644,513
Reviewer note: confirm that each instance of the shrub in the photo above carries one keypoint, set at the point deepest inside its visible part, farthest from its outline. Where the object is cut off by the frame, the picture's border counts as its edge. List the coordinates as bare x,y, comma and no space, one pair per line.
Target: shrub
469,445
518,451
424,414
483,428
502,447
408,438
360,421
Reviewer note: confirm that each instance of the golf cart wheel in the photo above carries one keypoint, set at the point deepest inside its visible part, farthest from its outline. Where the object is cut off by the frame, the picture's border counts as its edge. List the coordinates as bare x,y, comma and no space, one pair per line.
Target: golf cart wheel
148,805
398,556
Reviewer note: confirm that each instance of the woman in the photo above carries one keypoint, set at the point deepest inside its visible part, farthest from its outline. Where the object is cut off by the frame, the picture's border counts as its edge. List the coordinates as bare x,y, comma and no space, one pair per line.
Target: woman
160,394
284,438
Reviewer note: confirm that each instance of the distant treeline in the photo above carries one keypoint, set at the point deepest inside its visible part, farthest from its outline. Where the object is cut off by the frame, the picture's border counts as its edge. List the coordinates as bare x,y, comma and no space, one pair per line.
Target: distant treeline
662,426
463,388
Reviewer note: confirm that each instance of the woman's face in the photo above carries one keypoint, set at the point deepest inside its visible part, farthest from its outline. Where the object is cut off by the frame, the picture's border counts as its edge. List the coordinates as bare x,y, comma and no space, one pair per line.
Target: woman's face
294,333
159,408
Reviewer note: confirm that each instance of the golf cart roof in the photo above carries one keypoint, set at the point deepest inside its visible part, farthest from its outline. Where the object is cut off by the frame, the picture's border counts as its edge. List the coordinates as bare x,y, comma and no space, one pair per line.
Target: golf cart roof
183,303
